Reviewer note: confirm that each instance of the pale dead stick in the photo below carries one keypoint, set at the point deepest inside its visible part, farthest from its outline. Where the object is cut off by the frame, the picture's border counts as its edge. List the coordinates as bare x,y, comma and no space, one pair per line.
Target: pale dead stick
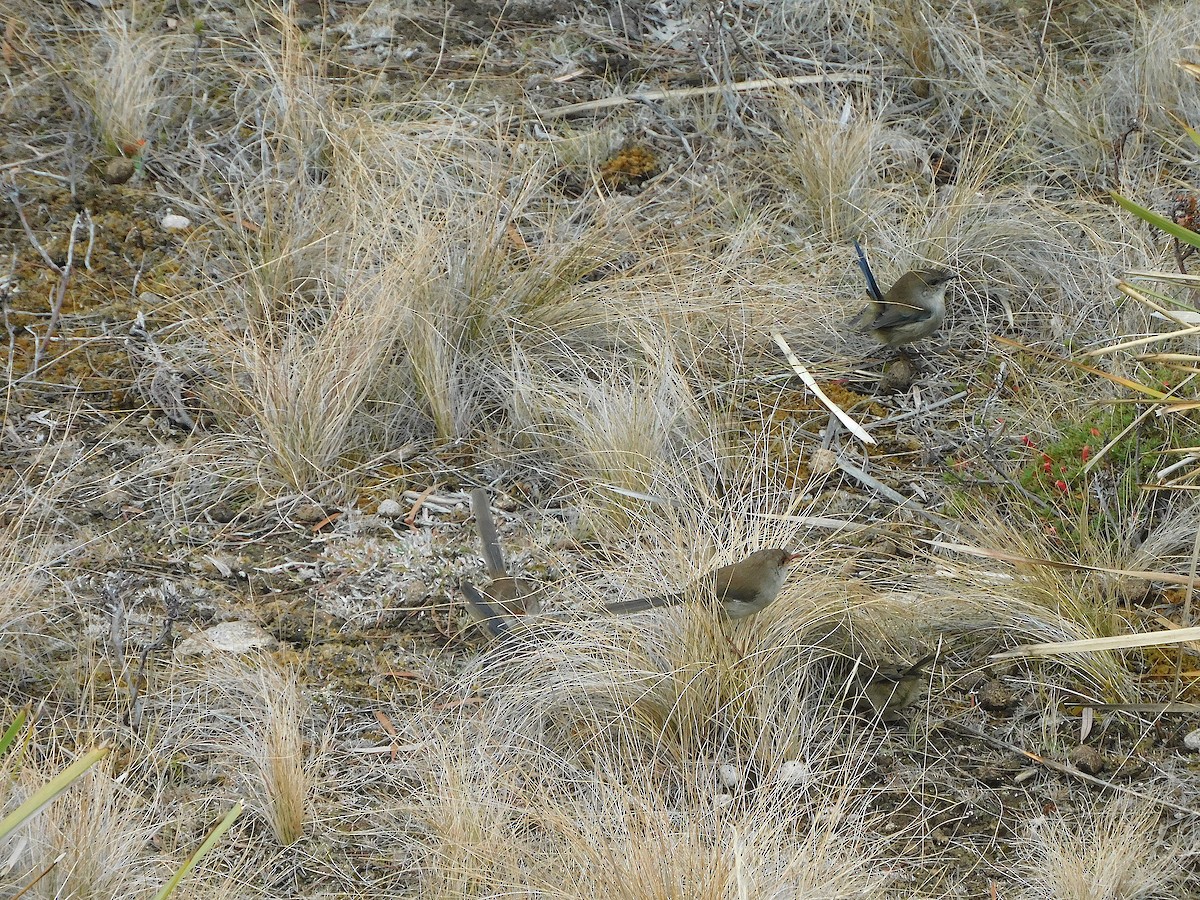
1066,769
679,93
1095,645
811,383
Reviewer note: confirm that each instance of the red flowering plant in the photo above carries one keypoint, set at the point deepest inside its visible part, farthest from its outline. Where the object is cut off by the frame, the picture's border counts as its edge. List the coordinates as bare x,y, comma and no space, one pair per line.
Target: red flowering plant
1062,470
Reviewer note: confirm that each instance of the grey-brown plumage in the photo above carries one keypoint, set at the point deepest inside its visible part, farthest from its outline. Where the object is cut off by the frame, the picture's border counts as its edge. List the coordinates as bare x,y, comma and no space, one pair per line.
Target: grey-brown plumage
742,588
494,619
913,308
886,689
489,539
505,597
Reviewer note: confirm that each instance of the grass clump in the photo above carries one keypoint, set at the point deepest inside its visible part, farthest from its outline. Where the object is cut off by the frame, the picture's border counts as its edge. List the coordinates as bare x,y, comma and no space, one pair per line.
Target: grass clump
125,83
1106,852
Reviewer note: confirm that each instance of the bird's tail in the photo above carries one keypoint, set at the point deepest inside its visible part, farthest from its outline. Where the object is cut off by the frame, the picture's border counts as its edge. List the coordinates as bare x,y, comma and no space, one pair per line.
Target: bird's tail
872,285
921,663
627,607
493,556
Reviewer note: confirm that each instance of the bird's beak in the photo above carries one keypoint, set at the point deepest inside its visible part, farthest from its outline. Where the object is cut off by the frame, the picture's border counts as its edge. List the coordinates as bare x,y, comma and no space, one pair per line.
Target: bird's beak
794,558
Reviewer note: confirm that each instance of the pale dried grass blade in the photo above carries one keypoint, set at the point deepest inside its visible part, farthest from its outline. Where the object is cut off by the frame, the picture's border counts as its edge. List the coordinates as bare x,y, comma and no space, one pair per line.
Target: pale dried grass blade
680,93
1178,316
1091,645
1178,707
811,383
1005,556
1169,277
1142,341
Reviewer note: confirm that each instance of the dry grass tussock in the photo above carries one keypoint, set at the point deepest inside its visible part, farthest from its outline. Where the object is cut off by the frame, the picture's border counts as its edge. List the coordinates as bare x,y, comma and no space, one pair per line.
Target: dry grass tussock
672,750
124,79
37,549
389,292
118,830
91,843
625,830
254,722
22,580
1111,850
685,682
674,753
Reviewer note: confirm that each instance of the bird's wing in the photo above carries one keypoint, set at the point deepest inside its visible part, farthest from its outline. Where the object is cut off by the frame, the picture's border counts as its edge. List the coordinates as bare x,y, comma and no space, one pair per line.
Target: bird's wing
893,314
494,621
738,582
891,672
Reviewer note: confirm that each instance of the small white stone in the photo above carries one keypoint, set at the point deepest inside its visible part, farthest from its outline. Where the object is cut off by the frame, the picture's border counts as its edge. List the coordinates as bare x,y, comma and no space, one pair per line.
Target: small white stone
390,509
729,775
1191,740
221,562
720,801
794,772
227,637
822,461
172,222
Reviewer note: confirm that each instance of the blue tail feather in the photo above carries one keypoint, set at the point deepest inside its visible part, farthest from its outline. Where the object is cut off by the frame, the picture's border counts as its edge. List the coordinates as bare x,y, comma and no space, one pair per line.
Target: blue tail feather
872,284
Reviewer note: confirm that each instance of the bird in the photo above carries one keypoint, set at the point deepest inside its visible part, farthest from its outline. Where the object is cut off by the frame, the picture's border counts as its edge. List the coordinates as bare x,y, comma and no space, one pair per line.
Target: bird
494,619
497,606
913,308
887,689
742,588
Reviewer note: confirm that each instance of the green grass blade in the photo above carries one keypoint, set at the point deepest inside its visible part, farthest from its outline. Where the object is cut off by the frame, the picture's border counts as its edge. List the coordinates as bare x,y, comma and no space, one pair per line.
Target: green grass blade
46,794
201,851
10,733
1171,228
1193,134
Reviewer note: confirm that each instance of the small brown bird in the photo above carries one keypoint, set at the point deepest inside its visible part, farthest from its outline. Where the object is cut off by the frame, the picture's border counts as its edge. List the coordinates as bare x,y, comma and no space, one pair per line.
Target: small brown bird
913,308
505,597
742,588
887,689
